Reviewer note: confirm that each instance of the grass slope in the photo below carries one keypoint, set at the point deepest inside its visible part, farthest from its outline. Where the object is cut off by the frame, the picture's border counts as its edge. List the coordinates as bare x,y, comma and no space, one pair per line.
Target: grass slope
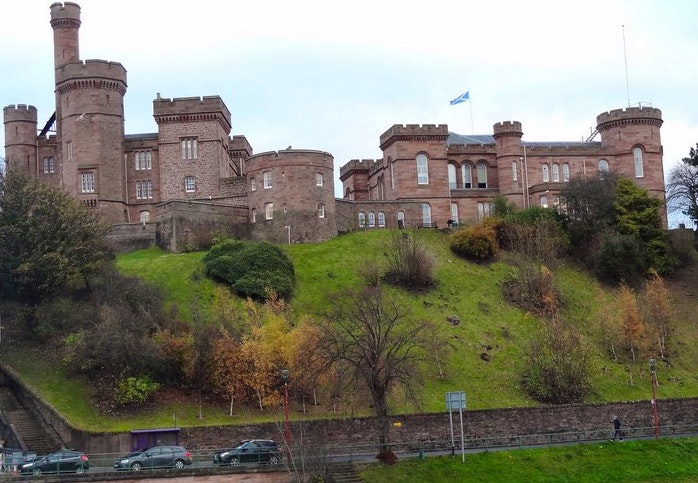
471,292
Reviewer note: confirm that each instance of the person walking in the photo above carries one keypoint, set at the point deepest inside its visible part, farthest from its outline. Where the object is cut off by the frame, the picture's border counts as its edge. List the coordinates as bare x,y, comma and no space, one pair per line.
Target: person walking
616,428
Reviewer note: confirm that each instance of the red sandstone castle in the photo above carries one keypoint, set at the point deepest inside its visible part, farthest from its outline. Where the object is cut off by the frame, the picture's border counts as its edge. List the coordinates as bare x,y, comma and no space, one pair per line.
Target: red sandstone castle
192,178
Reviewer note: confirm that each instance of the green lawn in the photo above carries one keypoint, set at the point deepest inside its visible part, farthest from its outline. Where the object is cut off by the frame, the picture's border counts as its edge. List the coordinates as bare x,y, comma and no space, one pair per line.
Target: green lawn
667,460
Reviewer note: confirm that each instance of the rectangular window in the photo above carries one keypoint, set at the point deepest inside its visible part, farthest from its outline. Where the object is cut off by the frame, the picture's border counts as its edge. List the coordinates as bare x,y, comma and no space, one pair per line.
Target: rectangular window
514,172
253,184
139,190
319,179
88,182
267,179
269,211
189,148
69,150
321,210
48,165
149,191
189,184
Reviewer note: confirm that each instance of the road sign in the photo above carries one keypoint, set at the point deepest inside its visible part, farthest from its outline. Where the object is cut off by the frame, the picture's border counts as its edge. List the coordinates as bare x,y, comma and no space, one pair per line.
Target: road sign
455,400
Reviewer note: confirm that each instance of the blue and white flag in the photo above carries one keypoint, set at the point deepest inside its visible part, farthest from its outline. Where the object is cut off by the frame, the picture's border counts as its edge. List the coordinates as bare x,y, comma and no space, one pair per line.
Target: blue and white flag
462,98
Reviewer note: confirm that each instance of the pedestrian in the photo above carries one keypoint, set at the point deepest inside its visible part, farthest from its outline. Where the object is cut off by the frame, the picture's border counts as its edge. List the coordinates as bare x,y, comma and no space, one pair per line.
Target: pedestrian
616,429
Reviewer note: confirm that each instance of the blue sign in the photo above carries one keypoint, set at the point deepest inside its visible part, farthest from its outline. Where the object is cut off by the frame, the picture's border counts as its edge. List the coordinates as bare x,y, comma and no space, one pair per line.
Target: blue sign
455,400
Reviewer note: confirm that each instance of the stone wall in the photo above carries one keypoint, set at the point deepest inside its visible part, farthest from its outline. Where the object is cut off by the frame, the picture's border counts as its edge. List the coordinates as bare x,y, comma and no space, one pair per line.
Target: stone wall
128,237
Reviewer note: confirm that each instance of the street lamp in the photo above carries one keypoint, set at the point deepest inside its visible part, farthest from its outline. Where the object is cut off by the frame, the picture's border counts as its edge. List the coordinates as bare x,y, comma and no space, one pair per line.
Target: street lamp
287,432
653,377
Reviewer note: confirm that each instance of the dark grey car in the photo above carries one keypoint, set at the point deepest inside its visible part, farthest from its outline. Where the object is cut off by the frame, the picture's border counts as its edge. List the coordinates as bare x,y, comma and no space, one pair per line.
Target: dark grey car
253,451
156,457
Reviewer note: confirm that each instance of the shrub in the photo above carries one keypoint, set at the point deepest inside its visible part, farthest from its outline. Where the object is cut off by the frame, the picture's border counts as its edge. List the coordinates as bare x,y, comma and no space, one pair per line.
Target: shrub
559,366
619,259
252,269
533,289
477,242
408,262
135,390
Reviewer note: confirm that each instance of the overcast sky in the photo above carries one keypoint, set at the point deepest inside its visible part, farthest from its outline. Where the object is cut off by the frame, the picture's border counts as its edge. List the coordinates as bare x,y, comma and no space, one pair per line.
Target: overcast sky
333,76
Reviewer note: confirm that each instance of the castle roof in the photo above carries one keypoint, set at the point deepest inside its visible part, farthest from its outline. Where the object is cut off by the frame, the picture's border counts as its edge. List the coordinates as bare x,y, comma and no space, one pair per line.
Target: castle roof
454,138
485,139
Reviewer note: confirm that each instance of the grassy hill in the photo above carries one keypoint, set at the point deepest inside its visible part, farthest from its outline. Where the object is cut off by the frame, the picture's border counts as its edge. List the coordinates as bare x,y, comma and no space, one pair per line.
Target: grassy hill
488,343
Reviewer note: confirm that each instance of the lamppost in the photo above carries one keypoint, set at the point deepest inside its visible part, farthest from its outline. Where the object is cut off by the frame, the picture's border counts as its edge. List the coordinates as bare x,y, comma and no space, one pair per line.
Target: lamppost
287,432
653,376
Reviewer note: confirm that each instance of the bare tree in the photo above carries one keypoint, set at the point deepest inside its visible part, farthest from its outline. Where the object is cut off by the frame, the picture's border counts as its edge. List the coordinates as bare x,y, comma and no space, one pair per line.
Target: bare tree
370,337
682,186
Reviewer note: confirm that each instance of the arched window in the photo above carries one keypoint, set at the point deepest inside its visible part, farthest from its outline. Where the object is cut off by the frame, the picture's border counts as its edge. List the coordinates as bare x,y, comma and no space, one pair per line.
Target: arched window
401,219
639,168
392,173
371,219
481,175
483,210
603,165
514,172
467,175
565,172
253,184
452,177
556,173
454,212
426,214
422,169
254,215
362,219
347,194
546,173
381,219
543,201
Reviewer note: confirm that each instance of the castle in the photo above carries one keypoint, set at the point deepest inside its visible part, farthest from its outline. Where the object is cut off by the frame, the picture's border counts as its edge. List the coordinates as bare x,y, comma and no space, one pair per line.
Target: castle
192,178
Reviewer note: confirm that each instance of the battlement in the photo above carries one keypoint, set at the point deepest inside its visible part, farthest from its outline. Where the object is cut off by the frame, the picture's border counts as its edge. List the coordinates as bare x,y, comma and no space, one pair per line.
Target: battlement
20,112
357,165
404,132
65,14
629,115
92,69
196,108
507,128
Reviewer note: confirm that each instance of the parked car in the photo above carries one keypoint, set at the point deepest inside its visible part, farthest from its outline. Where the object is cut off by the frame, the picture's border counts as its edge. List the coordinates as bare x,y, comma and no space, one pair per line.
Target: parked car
156,457
63,461
249,451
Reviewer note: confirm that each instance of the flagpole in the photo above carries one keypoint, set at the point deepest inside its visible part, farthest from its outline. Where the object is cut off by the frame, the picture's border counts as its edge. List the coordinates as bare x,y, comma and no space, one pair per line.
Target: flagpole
472,126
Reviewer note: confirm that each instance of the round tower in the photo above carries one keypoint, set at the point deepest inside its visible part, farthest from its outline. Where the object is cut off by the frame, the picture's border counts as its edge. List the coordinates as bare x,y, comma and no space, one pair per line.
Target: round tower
20,137
89,119
291,196
65,21
510,163
632,145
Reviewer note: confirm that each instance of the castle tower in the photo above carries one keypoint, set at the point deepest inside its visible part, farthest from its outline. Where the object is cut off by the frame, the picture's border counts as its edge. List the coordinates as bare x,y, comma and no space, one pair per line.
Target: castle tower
193,137
20,137
631,140
510,163
89,120
65,20
291,196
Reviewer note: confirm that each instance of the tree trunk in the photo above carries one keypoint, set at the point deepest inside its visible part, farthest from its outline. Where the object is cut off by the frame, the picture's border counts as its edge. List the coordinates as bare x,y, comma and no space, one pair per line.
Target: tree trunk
380,405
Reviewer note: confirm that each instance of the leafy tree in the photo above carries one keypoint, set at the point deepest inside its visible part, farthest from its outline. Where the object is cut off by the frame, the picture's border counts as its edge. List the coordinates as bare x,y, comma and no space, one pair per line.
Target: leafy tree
682,186
658,311
638,215
252,269
369,337
47,239
632,330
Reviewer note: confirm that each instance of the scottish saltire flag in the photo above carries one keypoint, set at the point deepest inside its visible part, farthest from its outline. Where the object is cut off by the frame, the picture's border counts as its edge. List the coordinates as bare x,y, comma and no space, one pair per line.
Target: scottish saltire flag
462,98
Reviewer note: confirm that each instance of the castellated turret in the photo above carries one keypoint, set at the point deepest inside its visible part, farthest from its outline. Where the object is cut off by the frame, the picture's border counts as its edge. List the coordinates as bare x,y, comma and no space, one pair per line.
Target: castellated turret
631,137
507,136
20,137
65,21
89,120
291,196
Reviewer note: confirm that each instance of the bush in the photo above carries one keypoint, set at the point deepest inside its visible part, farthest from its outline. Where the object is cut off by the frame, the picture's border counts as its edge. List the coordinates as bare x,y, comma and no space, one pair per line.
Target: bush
135,390
408,262
619,259
477,242
559,366
252,269
533,289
